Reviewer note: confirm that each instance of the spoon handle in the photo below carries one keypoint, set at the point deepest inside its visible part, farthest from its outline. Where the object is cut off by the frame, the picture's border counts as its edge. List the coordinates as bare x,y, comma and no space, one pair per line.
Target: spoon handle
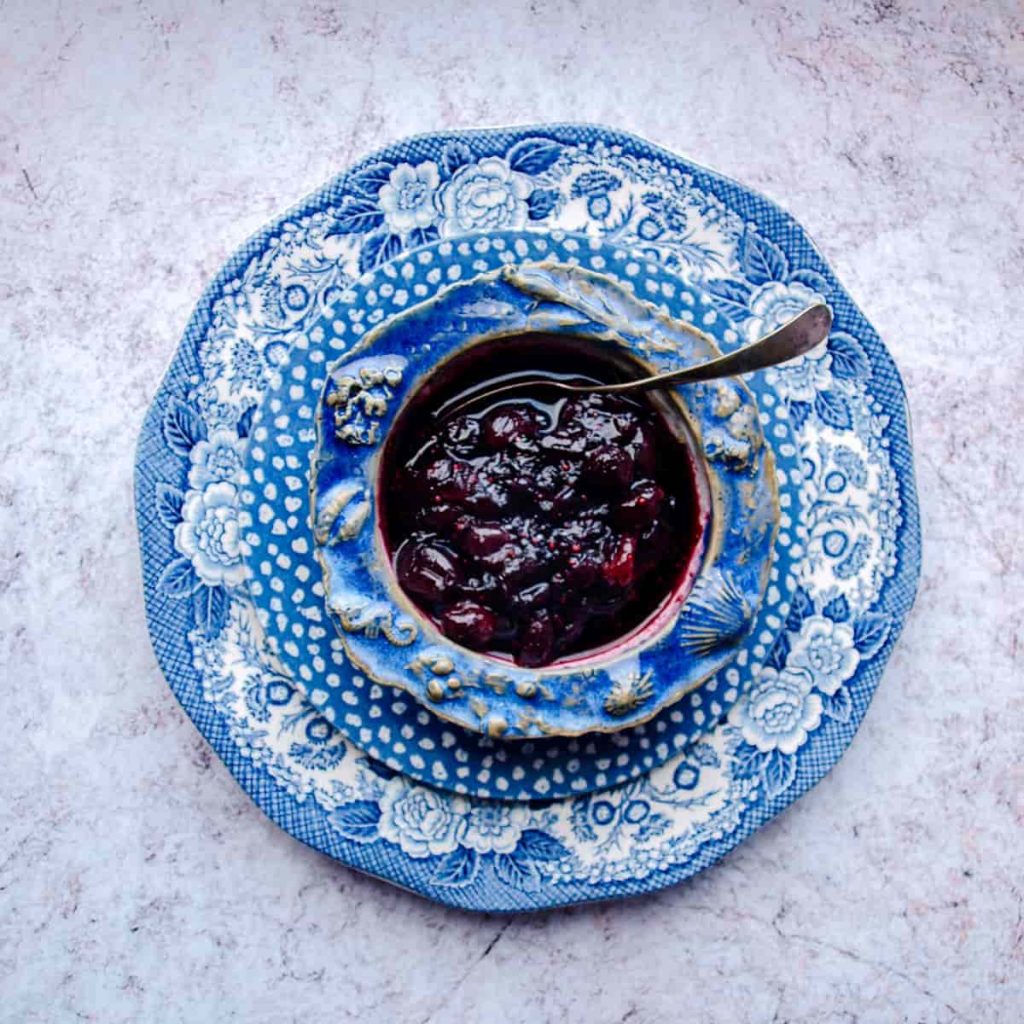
792,339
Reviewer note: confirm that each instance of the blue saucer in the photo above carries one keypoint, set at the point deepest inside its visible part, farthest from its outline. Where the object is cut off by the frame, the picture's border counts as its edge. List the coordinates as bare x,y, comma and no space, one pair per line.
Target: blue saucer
386,723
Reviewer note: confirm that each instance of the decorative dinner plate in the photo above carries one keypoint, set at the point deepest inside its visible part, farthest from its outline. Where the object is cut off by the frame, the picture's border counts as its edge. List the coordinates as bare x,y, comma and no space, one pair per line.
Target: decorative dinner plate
856,576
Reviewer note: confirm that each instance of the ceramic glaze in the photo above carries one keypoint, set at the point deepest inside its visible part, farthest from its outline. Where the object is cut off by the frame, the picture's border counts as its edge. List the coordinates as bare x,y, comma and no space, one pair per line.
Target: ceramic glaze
382,631
257,335
398,733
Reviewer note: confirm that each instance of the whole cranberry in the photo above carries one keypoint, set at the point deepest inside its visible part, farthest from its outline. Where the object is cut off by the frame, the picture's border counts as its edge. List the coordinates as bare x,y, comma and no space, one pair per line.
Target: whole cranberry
440,514
608,466
537,641
487,496
478,539
462,434
582,572
507,423
620,568
644,450
642,506
469,623
450,480
427,570
485,587
539,595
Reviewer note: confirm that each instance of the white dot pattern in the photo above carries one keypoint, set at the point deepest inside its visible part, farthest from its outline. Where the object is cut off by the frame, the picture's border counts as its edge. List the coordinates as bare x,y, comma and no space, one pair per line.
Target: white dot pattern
398,732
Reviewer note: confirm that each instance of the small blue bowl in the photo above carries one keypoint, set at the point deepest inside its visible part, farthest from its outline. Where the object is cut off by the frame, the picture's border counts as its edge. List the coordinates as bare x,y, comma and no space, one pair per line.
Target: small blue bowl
696,631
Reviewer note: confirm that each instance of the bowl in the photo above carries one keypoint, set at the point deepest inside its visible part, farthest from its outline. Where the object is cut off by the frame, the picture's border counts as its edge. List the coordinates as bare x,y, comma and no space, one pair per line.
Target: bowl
701,619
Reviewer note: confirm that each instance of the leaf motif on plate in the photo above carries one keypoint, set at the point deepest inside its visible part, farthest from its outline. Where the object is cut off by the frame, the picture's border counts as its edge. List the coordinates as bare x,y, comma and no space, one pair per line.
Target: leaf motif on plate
378,248
183,427
457,868
454,155
355,217
731,297
762,260
832,409
358,820
542,202
178,579
849,360
779,773
537,845
169,500
838,609
534,155
837,705
870,633
515,871
210,608
370,180
244,427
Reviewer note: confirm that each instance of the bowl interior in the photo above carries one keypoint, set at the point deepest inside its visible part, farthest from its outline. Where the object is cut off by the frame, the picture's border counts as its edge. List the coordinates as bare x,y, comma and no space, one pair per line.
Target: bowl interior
535,554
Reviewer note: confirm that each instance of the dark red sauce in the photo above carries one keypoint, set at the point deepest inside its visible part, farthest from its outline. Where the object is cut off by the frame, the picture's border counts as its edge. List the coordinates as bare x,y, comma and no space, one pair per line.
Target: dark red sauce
537,526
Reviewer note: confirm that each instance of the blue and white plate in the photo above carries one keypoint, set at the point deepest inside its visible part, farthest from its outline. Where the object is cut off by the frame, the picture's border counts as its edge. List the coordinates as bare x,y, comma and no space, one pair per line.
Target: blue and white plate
284,573
856,578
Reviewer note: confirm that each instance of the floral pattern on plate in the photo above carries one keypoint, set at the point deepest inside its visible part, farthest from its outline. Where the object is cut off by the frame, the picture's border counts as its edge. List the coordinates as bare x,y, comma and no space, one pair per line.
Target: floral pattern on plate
857,581
390,727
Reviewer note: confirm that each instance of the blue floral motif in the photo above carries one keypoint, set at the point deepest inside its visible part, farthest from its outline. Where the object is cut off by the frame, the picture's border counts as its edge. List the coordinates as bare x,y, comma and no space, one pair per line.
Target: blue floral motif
485,196
780,711
216,460
650,228
216,414
322,749
495,828
804,378
408,198
687,774
423,822
237,361
209,534
825,650
859,575
236,297
454,837
686,229
765,296
850,525
851,468
259,697
595,183
596,187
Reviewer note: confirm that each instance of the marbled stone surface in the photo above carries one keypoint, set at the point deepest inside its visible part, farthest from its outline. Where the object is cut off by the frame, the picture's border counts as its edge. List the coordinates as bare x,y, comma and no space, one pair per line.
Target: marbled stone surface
139,144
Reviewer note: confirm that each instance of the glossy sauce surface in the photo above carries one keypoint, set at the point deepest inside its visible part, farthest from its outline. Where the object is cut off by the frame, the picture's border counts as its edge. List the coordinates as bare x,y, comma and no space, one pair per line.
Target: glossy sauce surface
536,526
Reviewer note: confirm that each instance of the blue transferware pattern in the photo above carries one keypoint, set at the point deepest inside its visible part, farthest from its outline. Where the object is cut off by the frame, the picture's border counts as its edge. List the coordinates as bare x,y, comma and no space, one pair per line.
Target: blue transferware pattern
856,584
382,634
384,724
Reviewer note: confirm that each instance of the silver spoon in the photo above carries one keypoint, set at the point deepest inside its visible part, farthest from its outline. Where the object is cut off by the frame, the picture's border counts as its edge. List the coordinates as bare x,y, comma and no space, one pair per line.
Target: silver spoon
792,339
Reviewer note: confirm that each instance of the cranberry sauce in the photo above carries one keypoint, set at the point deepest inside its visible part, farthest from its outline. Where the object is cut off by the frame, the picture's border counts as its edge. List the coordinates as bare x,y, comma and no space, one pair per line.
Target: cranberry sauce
537,526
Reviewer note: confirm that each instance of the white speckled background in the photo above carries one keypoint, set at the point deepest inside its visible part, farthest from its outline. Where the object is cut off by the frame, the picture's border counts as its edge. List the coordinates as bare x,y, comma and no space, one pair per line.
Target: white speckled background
140,143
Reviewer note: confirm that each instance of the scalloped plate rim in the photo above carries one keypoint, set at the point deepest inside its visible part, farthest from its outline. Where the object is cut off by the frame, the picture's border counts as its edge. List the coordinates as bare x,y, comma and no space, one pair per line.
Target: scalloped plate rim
258,783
